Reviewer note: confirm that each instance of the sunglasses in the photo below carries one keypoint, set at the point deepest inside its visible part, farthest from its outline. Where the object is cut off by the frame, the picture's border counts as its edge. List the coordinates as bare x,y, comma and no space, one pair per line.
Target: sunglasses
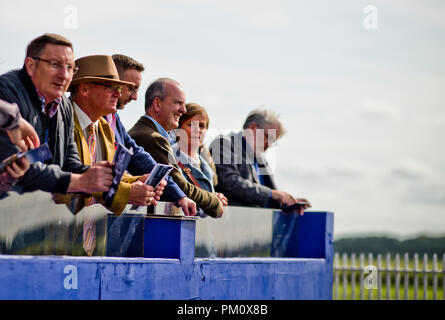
110,86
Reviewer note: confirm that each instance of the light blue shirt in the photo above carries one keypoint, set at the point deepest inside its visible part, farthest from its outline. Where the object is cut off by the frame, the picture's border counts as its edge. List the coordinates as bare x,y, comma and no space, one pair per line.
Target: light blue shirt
161,130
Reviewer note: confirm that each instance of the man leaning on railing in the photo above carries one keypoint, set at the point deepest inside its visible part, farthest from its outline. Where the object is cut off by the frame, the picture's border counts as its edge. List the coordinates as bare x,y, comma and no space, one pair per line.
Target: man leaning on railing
244,175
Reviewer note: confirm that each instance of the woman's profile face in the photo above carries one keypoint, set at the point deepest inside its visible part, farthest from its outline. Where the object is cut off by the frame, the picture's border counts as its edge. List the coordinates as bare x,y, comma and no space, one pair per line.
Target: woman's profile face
196,129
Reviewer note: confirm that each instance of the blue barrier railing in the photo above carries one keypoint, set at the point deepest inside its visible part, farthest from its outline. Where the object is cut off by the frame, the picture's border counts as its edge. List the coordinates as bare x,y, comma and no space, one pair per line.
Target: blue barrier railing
153,257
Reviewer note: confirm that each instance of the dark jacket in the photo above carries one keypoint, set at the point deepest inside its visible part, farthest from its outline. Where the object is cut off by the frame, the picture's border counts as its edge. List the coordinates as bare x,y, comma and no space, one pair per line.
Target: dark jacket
237,176
9,115
145,133
142,162
55,175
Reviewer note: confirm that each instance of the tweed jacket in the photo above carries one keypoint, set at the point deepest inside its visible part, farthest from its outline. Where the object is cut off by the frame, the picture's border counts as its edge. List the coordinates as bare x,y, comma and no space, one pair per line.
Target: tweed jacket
237,176
123,191
145,133
55,175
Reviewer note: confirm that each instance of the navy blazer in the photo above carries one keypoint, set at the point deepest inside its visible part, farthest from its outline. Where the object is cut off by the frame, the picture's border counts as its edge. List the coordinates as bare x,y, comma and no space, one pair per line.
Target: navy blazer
142,162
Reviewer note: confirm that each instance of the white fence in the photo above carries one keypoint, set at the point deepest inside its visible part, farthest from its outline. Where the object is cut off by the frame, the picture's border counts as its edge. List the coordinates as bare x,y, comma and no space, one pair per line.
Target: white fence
364,278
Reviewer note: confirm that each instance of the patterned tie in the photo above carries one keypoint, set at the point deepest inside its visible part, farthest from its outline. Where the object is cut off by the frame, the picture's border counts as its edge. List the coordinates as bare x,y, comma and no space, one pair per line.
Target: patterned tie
89,226
92,142
89,235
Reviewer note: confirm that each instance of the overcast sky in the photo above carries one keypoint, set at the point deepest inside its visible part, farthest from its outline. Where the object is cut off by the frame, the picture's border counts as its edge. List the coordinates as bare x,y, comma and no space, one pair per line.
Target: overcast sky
359,88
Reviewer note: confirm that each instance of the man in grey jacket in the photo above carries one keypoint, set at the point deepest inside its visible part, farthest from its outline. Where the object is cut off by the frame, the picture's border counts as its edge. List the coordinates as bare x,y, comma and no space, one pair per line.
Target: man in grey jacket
38,89
244,175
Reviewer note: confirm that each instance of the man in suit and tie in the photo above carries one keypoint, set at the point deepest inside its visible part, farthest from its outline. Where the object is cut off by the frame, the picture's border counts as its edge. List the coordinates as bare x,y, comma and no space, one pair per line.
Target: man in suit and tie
164,105
95,91
141,162
244,175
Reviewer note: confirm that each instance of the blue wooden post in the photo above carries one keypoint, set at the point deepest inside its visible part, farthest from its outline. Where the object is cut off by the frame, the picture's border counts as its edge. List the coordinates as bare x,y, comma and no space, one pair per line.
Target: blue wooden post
152,236
125,235
307,236
170,237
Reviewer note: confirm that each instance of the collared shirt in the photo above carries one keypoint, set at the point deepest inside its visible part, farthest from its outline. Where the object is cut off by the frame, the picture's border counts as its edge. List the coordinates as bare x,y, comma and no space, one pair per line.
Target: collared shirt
111,119
256,166
84,122
50,109
161,130
257,169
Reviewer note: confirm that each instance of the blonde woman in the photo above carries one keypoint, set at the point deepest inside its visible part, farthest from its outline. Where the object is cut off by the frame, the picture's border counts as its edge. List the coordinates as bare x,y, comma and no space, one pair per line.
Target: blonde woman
191,154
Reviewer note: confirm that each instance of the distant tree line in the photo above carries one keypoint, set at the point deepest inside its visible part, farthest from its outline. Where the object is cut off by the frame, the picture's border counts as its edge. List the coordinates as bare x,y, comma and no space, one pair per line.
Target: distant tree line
375,245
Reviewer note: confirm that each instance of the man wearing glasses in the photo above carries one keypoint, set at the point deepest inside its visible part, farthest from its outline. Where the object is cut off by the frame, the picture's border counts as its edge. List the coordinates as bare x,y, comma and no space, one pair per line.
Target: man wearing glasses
244,175
38,89
141,162
95,91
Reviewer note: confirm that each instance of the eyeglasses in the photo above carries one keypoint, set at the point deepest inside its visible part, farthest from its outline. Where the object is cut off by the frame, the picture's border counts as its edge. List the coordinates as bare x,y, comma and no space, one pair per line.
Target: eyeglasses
133,90
110,86
56,65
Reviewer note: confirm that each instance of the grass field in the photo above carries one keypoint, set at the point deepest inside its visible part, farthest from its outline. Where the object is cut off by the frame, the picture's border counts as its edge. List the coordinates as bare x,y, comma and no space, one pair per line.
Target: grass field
372,294
342,293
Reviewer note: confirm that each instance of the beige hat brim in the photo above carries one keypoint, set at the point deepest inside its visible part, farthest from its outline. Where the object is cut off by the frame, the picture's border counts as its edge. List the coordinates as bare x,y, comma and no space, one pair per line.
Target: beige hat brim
101,79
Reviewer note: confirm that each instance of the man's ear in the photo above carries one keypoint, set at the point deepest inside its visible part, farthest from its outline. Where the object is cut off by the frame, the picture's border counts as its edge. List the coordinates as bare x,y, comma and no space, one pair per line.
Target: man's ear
157,104
252,126
83,89
30,65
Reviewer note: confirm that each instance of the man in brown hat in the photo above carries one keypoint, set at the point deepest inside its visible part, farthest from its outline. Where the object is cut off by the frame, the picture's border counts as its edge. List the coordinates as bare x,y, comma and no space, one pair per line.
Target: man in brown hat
38,90
95,91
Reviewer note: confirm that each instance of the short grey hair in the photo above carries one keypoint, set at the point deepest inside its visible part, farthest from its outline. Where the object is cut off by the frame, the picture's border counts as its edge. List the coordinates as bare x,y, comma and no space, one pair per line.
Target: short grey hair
264,117
157,89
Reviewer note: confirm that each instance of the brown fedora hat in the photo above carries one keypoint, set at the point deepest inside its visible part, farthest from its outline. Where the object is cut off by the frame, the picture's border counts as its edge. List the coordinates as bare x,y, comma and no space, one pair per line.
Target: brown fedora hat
97,68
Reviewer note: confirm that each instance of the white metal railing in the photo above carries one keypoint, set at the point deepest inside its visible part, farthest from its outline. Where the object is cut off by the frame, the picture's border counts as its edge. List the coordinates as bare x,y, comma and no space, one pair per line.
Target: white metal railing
361,277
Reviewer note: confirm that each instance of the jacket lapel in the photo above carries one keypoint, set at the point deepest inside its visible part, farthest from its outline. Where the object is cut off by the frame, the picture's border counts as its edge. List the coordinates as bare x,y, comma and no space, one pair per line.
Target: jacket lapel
144,120
81,141
108,139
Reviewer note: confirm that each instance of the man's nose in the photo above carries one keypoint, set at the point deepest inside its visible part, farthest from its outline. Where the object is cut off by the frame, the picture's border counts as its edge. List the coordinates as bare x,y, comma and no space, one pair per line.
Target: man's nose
64,73
116,93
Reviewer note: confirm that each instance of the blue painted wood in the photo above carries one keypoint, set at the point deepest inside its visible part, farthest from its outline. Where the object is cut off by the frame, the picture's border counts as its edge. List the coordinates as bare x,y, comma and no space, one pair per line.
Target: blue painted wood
125,235
135,235
316,226
140,278
49,278
43,277
172,237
